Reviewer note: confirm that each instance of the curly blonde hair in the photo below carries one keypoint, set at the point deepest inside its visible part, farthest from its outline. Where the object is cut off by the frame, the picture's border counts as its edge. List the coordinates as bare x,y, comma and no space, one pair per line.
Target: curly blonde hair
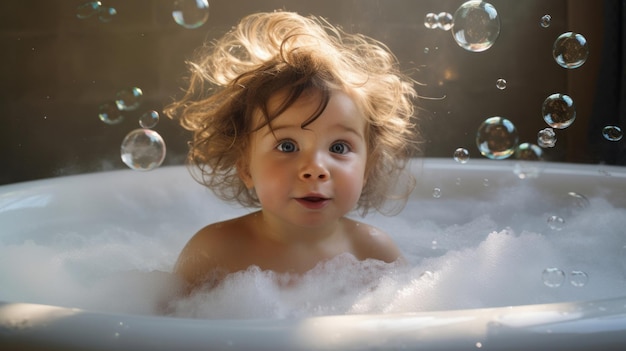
235,76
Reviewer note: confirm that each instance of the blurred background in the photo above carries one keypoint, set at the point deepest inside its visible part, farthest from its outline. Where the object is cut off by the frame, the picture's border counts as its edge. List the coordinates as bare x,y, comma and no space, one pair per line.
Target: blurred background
64,62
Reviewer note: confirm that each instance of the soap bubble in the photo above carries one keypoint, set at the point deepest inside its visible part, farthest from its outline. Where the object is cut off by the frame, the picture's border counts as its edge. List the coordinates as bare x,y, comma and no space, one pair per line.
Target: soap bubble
553,277
525,170
476,26
528,152
88,9
546,138
143,149
578,278
570,50
501,84
612,133
431,21
445,21
109,114
556,223
436,193
558,111
461,155
496,138
545,21
128,99
106,14
191,13
149,119
577,200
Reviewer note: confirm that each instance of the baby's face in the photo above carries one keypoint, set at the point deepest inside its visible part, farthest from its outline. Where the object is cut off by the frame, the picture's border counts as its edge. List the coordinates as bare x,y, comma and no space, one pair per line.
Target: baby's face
313,176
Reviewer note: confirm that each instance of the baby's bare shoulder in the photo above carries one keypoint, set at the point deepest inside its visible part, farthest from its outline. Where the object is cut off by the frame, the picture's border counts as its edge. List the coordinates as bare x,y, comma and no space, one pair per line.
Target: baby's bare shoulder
372,242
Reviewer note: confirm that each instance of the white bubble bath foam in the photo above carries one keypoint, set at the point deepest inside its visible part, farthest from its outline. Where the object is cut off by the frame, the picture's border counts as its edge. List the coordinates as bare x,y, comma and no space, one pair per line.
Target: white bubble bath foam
498,259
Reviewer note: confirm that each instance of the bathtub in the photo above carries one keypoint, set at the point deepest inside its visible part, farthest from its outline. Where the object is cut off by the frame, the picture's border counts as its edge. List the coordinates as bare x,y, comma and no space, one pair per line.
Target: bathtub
32,214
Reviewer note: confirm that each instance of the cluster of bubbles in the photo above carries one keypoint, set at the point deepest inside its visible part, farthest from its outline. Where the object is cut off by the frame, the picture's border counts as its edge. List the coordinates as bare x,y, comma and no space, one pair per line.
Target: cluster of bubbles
191,14
92,8
142,149
443,21
554,277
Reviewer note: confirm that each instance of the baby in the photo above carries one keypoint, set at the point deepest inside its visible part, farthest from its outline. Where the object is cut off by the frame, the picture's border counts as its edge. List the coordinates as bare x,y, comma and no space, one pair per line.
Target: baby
305,121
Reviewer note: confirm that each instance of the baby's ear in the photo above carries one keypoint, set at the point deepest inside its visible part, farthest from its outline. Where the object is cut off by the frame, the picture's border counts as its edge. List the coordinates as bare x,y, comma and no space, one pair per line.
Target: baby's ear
243,170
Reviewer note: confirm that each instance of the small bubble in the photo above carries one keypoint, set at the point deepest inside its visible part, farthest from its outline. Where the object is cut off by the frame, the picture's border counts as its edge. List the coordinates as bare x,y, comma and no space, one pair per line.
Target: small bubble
558,111
109,114
501,84
107,14
553,277
444,21
486,182
476,25
128,99
578,278
570,50
496,138
436,193
191,14
577,200
556,223
458,181
427,275
88,9
546,138
431,21
528,152
479,345
526,170
426,50
143,149
612,133
545,21
461,155
149,119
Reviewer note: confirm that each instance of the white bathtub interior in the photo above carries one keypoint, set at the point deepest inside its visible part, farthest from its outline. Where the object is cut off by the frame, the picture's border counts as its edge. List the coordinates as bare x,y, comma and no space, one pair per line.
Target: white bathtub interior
492,257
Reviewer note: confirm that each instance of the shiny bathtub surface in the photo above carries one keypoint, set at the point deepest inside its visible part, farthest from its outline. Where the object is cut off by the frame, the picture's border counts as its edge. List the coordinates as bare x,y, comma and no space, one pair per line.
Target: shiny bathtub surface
29,210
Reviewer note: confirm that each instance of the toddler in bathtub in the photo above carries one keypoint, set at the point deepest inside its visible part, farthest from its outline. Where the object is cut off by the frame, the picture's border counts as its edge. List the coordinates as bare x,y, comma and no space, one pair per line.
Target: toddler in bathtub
305,121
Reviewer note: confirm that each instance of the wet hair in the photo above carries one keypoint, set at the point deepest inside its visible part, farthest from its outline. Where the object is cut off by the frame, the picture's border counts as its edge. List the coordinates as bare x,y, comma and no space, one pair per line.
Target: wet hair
233,79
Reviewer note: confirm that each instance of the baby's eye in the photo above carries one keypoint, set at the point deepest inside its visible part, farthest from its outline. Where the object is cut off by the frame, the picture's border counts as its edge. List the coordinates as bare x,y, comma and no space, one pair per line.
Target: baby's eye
339,148
287,146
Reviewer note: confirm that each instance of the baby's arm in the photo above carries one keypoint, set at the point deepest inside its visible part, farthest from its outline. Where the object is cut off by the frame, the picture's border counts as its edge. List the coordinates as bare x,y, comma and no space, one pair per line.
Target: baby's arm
372,242
197,263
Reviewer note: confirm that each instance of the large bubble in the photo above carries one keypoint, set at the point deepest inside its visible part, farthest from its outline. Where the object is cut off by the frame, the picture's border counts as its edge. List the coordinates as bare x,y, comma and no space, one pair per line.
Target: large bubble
476,26
497,138
143,149
558,111
570,50
191,13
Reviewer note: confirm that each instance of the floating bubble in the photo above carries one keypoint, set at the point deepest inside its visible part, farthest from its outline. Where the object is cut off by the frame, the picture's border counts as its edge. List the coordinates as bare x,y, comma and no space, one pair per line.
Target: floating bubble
612,133
107,14
546,138
149,119
486,182
545,21
461,155
128,99
578,200
436,193
88,9
431,20
501,84
558,111
553,277
578,278
109,114
556,223
143,149
445,21
570,50
496,138
191,13
528,152
476,26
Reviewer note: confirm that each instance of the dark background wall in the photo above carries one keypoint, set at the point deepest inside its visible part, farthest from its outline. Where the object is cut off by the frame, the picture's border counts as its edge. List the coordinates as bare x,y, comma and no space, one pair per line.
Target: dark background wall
56,69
